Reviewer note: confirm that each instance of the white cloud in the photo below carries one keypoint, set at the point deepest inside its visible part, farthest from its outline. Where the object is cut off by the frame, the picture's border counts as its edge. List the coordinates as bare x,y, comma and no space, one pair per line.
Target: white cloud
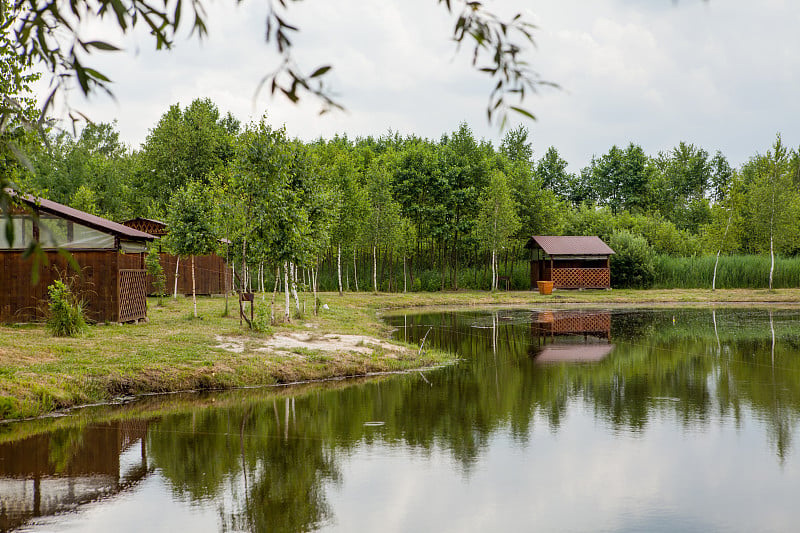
720,74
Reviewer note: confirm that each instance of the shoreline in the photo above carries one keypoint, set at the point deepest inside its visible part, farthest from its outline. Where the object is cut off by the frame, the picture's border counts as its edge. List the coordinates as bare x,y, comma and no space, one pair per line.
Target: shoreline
174,352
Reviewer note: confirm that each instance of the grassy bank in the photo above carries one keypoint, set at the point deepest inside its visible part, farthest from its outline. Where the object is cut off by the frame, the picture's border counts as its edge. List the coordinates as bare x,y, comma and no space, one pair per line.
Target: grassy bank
40,373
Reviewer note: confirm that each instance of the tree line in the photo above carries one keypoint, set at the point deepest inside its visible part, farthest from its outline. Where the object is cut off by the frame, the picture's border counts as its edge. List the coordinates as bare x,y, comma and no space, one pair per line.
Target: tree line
400,213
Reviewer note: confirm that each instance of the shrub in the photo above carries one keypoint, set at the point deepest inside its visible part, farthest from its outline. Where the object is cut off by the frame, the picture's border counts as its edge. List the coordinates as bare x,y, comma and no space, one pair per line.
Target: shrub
156,272
262,318
65,317
633,264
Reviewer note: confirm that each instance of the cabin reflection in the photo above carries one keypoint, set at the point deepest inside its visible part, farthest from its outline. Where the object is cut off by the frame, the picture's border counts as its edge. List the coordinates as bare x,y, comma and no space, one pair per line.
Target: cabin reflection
56,472
571,336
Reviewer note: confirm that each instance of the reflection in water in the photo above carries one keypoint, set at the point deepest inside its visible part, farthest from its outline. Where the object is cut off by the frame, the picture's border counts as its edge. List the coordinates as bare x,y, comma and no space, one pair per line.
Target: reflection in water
668,424
567,336
47,474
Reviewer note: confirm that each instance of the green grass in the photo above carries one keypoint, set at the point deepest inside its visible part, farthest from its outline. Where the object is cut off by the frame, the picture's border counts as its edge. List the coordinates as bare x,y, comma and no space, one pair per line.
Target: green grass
40,373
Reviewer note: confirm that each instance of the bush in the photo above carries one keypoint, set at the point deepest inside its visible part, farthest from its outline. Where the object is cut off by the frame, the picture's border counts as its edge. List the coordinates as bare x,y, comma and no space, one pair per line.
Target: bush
633,264
262,318
65,311
153,265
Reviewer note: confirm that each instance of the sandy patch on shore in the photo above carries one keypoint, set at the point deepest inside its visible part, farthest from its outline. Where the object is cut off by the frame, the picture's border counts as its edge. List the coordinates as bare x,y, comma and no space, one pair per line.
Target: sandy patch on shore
331,342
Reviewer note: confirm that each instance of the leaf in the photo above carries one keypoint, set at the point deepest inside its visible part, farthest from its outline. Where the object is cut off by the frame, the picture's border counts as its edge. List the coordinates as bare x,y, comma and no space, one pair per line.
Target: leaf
101,45
522,111
320,71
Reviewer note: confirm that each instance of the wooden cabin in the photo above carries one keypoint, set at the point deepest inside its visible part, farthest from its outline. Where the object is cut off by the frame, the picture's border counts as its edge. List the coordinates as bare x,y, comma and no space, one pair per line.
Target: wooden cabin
570,262
212,275
110,256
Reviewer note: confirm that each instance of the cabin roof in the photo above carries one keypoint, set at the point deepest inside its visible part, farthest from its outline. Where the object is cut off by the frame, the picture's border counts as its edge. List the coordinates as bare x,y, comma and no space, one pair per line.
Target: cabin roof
570,245
81,217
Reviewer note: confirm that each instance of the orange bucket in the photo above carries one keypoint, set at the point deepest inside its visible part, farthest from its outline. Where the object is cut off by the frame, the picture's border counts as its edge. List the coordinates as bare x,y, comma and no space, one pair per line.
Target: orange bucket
545,287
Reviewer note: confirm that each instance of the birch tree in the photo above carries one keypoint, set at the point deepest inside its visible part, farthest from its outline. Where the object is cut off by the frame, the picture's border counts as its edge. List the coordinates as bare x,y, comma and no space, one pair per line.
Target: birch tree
191,232
497,218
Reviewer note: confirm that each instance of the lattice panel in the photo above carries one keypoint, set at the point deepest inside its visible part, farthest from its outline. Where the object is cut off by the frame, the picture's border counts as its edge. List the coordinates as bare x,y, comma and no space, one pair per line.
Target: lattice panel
569,322
580,278
148,226
589,323
132,295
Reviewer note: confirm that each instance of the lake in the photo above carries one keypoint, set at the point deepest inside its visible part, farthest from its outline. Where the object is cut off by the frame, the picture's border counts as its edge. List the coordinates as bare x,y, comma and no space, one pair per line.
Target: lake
621,419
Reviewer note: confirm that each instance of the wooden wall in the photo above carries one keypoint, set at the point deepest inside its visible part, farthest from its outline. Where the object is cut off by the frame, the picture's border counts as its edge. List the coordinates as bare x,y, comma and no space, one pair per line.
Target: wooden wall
22,301
212,276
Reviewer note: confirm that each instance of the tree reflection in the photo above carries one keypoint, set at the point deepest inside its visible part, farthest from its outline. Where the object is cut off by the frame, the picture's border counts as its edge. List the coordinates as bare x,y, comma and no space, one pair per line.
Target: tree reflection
268,460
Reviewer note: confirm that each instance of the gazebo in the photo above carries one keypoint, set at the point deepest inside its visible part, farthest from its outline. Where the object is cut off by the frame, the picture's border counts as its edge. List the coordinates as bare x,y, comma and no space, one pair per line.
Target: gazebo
570,262
212,275
110,257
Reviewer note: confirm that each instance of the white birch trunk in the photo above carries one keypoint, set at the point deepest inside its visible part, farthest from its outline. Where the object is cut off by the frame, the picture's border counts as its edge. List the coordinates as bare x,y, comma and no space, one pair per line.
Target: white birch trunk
771,234
293,269
771,258
287,313
314,278
177,264
194,293
261,280
275,293
714,279
355,269
338,268
494,270
375,268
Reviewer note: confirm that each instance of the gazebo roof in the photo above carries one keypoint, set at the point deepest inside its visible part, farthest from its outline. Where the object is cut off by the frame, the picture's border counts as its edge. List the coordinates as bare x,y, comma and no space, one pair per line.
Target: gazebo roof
570,245
81,217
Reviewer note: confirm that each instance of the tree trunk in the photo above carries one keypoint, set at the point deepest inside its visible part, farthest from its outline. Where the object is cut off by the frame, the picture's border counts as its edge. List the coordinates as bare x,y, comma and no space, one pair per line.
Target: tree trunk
771,259
275,293
355,269
513,260
454,270
391,271
339,267
716,262
444,264
293,270
261,280
375,268
494,270
194,293
175,292
287,313
405,277
314,278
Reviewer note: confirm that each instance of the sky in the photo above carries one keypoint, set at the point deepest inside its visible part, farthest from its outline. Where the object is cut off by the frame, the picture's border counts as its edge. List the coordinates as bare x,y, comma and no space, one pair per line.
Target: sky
720,74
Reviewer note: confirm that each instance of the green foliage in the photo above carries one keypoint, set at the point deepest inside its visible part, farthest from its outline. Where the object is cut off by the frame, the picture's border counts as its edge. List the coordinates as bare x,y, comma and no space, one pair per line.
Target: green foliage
65,311
497,218
733,272
187,145
633,263
154,269
262,318
189,219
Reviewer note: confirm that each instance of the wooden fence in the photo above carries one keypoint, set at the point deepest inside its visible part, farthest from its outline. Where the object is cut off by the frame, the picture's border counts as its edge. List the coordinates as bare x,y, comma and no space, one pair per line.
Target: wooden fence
107,297
212,276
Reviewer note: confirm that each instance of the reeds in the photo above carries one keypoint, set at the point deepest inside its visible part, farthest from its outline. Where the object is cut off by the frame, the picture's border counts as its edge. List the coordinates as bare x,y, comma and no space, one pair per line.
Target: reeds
733,272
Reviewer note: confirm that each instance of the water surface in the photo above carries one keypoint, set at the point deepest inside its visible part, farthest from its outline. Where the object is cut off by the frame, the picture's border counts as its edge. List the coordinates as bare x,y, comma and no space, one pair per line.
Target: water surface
553,420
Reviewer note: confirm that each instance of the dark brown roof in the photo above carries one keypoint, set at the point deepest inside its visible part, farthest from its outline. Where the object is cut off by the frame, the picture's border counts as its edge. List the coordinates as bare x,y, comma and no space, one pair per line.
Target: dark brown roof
570,245
81,217
574,353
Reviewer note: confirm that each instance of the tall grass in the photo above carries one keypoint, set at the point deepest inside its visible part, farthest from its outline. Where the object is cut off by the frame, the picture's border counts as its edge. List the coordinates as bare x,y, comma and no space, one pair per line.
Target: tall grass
733,272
